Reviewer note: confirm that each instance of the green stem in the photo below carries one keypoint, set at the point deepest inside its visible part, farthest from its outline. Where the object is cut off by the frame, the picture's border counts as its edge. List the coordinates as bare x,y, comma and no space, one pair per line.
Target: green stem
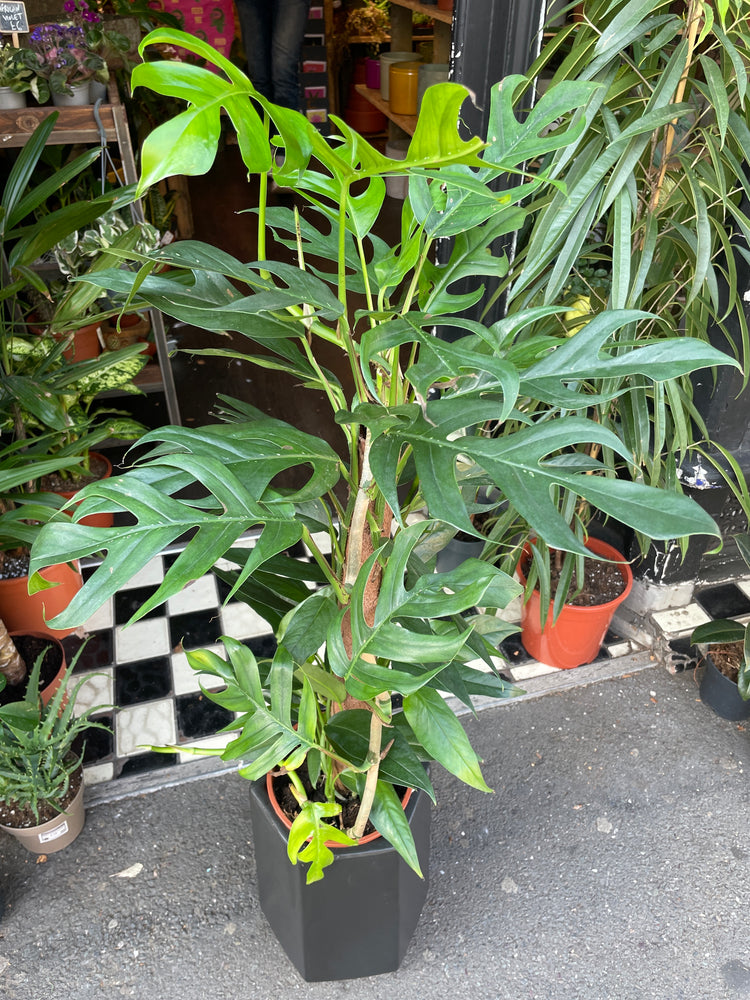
298,789
371,781
415,277
321,560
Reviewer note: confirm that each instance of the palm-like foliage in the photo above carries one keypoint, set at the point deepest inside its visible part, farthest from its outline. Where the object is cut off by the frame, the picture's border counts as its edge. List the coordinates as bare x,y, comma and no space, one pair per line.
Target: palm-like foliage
376,620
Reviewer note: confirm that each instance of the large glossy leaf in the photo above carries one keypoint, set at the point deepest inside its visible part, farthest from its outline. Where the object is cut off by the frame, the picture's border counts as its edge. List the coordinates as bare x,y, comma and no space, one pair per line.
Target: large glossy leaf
232,465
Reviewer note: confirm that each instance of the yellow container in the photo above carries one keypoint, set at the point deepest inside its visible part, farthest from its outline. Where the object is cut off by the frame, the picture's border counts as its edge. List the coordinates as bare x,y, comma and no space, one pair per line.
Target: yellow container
404,86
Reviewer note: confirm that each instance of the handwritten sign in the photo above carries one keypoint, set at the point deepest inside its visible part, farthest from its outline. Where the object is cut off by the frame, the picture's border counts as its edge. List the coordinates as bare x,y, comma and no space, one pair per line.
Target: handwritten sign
13,18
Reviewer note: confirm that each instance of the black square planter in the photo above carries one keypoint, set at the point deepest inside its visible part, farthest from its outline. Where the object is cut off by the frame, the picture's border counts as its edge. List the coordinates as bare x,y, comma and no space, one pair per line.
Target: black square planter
359,919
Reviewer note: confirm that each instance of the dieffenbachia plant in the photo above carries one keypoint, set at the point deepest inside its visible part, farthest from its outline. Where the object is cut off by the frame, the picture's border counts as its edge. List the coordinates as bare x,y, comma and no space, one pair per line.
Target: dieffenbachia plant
377,621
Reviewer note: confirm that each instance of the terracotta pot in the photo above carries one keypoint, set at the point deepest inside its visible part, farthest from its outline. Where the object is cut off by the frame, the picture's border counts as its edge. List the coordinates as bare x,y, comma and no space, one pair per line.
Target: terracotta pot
576,636
47,692
94,520
134,329
24,612
372,938
332,844
445,4
363,116
85,345
57,833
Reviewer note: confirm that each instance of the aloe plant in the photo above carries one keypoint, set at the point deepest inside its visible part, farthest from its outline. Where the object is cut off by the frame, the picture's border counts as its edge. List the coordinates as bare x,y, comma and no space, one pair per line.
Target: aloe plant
40,744
369,619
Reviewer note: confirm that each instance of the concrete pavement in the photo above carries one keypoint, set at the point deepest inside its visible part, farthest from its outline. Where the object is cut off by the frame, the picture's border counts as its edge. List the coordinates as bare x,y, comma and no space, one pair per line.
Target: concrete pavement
612,863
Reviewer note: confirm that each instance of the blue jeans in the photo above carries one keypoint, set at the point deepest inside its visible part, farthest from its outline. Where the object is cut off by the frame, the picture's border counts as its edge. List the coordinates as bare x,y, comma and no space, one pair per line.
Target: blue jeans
272,34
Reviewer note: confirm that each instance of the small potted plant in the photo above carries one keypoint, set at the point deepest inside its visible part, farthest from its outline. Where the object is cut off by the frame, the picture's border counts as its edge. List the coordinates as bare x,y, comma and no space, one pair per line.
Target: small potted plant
725,681
76,311
108,43
41,766
63,63
15,77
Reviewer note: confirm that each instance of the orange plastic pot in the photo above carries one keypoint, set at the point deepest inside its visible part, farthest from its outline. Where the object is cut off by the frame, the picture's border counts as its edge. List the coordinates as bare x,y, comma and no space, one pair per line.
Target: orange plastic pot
576,636
47,692
94,520
24,612
329,843
85,344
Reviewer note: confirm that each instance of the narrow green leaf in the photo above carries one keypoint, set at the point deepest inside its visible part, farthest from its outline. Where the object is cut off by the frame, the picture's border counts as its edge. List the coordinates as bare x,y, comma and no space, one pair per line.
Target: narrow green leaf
442,736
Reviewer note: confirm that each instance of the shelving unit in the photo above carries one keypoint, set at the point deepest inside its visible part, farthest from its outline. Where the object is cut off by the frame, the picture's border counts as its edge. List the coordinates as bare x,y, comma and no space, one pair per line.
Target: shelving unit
402,40
406,123
79,126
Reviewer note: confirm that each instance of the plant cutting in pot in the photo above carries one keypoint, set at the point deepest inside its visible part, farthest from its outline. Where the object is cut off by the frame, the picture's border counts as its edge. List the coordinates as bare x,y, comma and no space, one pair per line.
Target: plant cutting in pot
19,652
378,622
41,770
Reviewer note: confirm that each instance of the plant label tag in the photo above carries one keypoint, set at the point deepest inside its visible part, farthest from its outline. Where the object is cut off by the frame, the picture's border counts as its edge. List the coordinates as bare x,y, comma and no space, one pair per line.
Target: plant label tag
13,18
54,833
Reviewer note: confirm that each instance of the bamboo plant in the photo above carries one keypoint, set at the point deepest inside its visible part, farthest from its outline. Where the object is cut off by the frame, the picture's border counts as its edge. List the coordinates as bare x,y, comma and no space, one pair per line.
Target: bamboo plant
367,618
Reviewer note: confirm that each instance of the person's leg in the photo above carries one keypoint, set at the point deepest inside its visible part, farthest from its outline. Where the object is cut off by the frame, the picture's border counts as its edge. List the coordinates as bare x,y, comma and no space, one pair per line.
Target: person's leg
289,22
256,25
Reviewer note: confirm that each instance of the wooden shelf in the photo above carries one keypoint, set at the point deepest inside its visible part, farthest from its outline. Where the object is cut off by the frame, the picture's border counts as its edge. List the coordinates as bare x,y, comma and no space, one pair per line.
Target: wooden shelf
75,125
406,122
446,16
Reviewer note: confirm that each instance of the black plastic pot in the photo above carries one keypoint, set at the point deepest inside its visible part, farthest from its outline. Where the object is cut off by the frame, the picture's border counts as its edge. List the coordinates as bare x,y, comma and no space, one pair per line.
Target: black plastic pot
457,551
359,919
721,694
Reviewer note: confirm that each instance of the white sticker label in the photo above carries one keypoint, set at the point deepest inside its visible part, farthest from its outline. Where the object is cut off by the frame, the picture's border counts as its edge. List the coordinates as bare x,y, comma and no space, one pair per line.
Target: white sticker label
54,833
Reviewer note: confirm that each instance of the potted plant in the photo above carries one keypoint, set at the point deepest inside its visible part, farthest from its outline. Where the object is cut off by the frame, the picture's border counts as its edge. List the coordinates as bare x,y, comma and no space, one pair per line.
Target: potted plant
15,77
378,622
634,223
74,422
19,652
75,311
63,64
725,682
41,771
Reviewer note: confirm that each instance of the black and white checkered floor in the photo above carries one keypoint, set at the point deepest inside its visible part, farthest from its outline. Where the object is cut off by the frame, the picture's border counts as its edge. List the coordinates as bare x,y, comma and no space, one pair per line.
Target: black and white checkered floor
149,695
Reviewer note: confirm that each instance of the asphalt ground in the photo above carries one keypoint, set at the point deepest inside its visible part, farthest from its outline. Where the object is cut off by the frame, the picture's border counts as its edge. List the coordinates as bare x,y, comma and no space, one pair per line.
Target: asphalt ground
612,862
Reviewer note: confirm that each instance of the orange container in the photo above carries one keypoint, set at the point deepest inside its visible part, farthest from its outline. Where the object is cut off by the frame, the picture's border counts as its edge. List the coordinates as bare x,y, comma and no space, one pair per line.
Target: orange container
404,87
24,612
576,636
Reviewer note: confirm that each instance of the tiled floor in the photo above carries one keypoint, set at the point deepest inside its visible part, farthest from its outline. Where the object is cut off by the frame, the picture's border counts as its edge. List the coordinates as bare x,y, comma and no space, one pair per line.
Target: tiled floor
141,678
148,693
